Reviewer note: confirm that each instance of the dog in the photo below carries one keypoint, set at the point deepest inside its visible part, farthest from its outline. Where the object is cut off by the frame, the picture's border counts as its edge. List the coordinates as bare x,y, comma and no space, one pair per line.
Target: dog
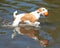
30,18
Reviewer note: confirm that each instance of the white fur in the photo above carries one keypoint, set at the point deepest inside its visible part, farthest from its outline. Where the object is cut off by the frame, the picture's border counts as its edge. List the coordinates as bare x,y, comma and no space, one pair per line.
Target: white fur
17,20
35,14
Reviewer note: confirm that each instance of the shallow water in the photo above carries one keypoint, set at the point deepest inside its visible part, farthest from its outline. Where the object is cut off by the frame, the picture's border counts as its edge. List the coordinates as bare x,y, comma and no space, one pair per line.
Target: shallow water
50,27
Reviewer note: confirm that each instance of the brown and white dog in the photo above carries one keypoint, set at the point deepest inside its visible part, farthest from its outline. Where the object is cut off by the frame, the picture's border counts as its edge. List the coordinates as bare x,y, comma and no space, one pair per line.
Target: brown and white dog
30,18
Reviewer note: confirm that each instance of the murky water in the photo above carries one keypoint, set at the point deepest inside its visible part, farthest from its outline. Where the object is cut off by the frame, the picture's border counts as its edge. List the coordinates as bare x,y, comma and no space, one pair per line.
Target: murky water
50,27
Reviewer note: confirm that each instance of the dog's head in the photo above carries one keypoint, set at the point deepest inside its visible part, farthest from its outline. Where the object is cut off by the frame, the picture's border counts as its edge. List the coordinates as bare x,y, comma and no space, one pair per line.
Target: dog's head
42,11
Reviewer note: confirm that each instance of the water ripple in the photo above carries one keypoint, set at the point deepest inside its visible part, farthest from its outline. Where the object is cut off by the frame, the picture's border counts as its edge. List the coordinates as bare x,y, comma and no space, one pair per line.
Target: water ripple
7,7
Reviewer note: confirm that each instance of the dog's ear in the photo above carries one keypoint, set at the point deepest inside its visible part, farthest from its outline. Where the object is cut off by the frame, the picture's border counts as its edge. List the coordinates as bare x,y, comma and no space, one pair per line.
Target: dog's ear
39,10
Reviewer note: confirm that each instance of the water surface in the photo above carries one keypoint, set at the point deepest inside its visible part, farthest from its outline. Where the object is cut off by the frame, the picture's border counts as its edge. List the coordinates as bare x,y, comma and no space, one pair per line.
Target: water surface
50,27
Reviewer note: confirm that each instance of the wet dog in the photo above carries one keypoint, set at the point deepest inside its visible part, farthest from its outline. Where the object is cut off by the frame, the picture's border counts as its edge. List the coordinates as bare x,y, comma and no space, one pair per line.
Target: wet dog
30,18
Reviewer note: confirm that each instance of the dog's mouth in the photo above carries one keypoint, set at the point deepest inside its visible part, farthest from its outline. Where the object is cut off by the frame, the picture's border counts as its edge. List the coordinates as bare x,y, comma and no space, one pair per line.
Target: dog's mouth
42,16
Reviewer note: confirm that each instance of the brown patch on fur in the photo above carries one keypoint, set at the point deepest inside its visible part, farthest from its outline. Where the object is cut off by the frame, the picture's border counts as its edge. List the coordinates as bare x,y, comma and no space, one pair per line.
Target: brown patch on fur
39,10
29,32
29,17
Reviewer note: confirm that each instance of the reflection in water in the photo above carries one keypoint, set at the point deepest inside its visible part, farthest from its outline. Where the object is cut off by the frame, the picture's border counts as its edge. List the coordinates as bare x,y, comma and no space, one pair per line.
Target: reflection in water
29,31
2,32
34,33
7,7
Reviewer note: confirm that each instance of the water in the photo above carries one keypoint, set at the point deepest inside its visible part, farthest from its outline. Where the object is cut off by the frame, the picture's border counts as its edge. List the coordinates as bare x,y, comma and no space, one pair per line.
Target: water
50,27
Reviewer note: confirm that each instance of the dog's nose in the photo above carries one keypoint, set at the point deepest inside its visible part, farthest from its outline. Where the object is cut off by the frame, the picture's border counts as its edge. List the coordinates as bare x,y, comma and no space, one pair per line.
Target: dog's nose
46,13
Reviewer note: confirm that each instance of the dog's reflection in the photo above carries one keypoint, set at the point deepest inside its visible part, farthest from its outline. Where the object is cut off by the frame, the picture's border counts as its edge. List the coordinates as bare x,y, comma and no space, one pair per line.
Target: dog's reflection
32,32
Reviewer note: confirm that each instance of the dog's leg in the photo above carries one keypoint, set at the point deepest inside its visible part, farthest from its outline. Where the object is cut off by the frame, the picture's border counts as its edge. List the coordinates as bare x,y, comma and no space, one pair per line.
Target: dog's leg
18,30
13,34
36,24
28,22
35,38
16,22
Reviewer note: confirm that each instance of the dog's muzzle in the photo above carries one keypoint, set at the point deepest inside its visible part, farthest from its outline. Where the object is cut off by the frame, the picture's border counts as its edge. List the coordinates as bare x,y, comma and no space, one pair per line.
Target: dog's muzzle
43,16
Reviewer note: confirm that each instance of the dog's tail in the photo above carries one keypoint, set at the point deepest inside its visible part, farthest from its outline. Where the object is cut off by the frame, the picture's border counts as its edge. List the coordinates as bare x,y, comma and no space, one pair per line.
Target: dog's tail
15,13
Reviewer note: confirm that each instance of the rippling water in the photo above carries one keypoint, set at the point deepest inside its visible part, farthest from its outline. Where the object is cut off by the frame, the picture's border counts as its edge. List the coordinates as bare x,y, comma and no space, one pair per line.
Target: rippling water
50,27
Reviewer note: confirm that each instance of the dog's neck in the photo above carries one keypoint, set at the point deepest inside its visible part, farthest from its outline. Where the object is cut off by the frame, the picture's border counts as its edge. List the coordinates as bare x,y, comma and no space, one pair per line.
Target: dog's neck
36,14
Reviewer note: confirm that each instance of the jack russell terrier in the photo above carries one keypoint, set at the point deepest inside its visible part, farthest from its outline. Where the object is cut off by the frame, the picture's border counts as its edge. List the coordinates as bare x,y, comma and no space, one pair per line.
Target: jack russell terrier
30,18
